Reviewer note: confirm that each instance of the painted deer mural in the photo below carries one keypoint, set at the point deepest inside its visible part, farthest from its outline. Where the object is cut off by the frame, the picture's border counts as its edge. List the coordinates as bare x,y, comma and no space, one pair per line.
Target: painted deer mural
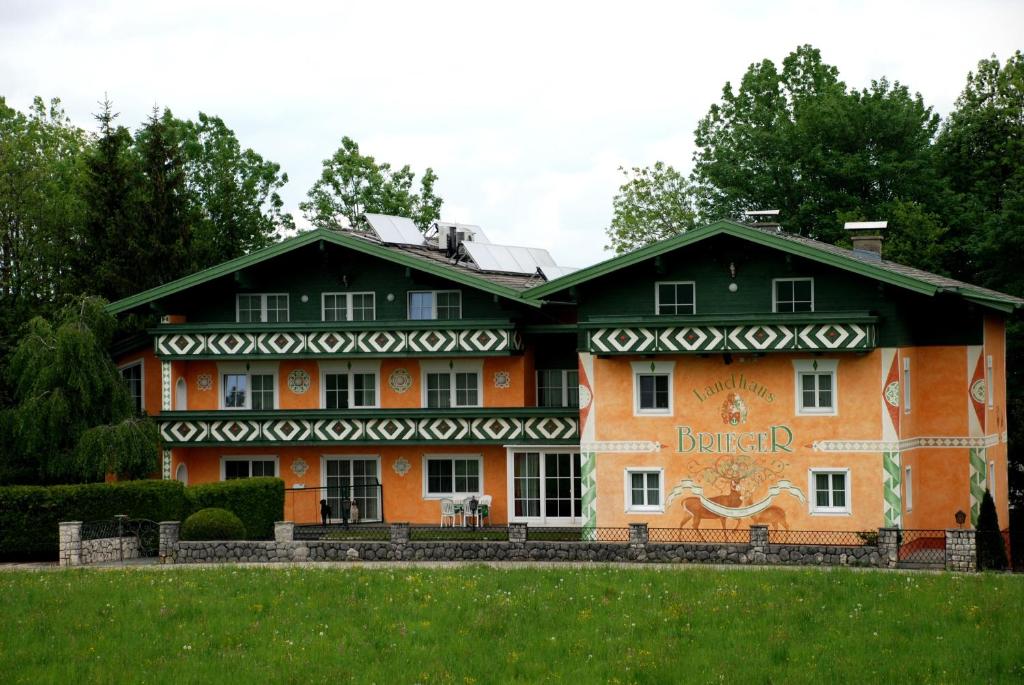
694,509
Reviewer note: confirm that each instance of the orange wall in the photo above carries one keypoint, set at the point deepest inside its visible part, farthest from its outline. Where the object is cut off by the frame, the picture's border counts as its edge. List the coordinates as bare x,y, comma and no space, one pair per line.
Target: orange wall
995,415
150,377
938,391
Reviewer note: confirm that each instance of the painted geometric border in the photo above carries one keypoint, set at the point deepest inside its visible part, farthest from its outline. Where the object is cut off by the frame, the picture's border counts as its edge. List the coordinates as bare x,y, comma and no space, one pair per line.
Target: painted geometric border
755,338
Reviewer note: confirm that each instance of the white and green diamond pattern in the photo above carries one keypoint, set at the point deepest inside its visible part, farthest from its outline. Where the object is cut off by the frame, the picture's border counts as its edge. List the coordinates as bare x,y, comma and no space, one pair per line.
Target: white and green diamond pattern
751,338
892,495
495,429
588,492
978,477
377,342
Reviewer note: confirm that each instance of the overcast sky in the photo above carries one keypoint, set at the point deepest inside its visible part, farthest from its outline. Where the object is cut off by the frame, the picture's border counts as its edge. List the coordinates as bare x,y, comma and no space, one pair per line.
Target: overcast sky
524,110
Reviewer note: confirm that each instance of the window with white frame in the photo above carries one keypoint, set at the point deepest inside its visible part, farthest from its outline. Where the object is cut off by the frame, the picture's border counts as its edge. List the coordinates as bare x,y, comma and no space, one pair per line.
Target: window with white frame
132,375
348,307
830,491
452,476
248,386
233,468
988,381
435,304
675,297
350,385
652,388
908,489
558,388
992,479
452,384
906,385
816,387
643,490
261,307
793,295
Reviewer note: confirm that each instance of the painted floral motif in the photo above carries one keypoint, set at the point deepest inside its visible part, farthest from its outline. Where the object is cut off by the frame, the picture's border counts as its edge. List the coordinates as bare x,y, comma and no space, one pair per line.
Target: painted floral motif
402,466
585,397
204,382
298,381
734,410
300,467
892,394
502,380
978,391
400,380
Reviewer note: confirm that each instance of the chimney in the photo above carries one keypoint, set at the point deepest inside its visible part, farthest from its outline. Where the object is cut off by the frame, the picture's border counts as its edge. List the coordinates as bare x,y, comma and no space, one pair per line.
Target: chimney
763,218
867,238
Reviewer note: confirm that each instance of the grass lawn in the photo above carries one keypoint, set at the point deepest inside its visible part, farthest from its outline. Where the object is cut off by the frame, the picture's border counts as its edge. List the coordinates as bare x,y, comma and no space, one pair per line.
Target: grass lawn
486,625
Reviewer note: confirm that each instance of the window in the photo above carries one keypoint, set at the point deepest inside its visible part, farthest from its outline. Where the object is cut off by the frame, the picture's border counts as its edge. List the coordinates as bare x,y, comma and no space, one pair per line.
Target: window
248,386
906,385
349,307
652,387
353,479
675,297
793,295
545,487
830,491
558,388
132,374
992,479
435,304
643,490
988,381
908,490
452,476
816,386
232,468
262,308
451,384
350,385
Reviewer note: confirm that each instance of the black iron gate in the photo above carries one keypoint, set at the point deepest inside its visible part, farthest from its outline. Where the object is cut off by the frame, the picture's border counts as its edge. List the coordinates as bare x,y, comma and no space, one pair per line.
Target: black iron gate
922,548
120,539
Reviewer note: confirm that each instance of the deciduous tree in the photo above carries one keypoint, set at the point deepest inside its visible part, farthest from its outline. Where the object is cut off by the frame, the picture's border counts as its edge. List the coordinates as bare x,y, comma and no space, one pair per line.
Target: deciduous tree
654,203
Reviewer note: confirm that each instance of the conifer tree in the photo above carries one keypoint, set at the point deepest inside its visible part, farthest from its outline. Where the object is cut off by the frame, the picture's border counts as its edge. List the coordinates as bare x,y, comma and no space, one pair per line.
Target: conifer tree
990,545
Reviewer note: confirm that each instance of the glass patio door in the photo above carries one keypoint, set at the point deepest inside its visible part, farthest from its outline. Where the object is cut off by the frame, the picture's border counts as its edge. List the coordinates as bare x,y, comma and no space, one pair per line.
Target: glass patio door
358,479
546,488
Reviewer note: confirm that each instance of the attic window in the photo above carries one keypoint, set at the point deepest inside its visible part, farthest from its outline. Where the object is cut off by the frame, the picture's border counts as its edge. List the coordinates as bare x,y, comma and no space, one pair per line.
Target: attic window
435,304
793,295
261,308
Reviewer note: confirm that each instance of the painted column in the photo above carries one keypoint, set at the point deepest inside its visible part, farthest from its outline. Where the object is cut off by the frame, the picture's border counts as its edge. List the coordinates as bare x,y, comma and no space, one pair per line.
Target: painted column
976,456
892,503
588,459
165,405
978,476
892,468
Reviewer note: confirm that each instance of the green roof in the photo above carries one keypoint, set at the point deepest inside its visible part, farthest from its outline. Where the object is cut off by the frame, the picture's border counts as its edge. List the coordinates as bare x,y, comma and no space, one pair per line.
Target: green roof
434,267
878,269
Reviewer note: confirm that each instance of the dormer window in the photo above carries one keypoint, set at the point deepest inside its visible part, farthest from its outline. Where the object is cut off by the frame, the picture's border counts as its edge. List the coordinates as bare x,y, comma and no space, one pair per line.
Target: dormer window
261,308
793,295
348,307
425,305
675,297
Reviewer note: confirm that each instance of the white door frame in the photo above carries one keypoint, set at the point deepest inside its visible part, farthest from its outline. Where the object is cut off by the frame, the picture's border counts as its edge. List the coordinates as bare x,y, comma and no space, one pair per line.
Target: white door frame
510,451
324,458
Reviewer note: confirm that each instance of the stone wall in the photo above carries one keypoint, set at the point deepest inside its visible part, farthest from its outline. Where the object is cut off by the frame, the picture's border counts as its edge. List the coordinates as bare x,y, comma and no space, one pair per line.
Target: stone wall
961,550
109,549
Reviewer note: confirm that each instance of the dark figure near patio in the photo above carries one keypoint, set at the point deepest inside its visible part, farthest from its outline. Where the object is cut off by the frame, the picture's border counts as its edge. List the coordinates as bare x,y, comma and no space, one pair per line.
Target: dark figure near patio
325,511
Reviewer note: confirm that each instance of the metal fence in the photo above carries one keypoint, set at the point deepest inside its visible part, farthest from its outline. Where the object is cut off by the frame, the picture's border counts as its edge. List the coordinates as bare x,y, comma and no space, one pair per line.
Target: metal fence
823,538
456,533
922,547
145,534
698,535
338,531
360,502
578,534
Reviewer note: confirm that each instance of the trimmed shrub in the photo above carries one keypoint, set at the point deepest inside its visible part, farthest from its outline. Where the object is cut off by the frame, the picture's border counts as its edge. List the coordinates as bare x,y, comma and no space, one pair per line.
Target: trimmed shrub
212,524
29,514
258,502
990,546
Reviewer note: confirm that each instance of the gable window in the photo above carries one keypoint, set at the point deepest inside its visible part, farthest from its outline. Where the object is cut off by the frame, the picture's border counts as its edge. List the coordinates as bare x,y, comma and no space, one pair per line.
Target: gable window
643,490
988,381
261,307
452,384
348,307
816,386
248,386
830,491
992,479
675,297
906,385
652,388
448,476
233,468
793,295
132,375
435,304
908,489
558,388
349,386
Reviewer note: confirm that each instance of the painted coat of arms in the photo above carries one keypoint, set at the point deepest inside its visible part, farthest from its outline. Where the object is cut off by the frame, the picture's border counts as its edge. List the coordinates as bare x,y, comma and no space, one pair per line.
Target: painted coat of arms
734,410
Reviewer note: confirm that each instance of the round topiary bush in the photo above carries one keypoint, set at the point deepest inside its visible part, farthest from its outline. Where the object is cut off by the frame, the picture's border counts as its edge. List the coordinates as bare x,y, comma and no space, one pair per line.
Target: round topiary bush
212,524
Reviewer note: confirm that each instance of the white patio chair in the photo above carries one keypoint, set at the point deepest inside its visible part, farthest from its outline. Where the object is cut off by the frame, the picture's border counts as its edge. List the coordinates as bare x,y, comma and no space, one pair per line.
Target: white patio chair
467,513
447,512
485,501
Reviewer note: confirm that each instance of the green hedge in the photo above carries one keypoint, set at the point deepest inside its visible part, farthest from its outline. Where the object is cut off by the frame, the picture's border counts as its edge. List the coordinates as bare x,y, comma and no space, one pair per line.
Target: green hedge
259,502
29,514
212,524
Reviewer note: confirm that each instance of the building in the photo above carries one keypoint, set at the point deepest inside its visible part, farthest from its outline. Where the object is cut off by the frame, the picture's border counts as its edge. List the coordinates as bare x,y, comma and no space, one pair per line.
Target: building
728,376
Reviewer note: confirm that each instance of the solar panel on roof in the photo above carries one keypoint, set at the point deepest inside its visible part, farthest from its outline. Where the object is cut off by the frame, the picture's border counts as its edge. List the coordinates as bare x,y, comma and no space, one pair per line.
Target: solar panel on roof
508,258
469,231
399,230
552,272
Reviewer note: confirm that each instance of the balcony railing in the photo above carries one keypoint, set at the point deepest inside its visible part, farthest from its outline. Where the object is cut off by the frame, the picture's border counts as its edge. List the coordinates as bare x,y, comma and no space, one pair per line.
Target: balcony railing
312,339
812,332
526,425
